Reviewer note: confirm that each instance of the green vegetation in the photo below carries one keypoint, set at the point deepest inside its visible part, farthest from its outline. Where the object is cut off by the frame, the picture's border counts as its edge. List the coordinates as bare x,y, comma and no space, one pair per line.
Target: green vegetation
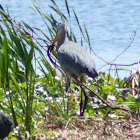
38,103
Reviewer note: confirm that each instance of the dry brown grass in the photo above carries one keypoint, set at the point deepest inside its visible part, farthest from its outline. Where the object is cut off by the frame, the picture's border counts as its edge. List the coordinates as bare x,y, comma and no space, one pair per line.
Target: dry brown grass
92,129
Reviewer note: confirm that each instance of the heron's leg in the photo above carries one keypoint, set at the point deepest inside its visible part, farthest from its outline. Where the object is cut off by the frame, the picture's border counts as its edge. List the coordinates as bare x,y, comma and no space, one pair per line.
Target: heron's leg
86,97
67,82
67,88
86,100
81,104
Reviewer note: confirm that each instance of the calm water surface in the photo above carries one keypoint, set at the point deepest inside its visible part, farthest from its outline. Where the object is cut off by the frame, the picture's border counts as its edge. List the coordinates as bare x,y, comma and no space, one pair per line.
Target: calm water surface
110,23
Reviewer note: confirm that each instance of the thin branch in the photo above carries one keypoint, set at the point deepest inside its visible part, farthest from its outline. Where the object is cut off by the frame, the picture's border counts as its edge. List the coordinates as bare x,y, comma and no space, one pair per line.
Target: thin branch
127,65
132,40
119,70
109,63
96,94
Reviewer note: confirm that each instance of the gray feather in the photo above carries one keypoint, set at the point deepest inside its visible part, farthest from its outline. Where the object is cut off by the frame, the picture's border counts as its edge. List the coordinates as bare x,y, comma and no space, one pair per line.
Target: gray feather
75,59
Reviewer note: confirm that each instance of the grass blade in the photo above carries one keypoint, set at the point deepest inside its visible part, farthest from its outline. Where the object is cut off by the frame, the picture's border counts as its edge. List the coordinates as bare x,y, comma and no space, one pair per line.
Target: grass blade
67,8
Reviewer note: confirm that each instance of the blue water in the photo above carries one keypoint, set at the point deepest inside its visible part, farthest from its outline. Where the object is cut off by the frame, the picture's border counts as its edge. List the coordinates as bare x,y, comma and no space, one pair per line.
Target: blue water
110,24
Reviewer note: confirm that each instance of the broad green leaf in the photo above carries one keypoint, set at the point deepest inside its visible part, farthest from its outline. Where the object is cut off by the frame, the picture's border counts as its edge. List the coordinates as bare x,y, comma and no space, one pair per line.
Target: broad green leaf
120,100
108,89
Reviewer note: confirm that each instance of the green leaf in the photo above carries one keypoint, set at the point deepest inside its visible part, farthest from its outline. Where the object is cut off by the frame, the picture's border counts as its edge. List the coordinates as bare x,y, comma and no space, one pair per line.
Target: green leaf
108,89
120,100
5,49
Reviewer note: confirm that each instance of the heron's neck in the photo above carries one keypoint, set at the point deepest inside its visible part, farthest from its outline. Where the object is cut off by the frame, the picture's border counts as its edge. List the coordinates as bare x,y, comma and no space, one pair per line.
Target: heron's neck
61,40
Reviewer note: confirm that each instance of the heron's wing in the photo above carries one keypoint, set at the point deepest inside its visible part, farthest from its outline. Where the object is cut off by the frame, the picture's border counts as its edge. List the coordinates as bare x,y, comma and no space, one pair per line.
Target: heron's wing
76,59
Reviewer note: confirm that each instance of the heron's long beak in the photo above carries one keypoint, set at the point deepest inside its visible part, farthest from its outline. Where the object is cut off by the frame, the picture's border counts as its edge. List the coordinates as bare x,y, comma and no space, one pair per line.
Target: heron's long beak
55,40
58,34
51,47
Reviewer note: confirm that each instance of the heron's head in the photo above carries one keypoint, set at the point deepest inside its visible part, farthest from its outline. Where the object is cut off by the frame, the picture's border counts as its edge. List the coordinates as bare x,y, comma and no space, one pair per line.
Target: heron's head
60,35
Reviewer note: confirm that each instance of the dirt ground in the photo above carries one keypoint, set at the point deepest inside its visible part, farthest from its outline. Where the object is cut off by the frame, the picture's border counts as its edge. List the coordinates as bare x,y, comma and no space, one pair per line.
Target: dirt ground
93,129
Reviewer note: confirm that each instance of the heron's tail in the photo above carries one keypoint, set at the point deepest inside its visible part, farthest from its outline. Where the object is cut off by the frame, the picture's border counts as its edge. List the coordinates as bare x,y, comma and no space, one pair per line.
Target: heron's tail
92,73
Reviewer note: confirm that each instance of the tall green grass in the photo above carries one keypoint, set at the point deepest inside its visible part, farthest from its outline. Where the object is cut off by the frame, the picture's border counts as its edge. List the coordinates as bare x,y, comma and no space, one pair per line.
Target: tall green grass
17,75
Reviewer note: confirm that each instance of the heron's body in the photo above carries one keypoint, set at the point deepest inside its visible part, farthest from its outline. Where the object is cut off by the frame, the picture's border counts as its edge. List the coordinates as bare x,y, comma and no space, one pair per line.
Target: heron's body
76,60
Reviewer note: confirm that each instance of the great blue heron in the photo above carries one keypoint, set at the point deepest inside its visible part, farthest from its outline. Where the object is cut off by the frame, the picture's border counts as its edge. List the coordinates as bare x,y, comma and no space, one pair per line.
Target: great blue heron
5,125
74,59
